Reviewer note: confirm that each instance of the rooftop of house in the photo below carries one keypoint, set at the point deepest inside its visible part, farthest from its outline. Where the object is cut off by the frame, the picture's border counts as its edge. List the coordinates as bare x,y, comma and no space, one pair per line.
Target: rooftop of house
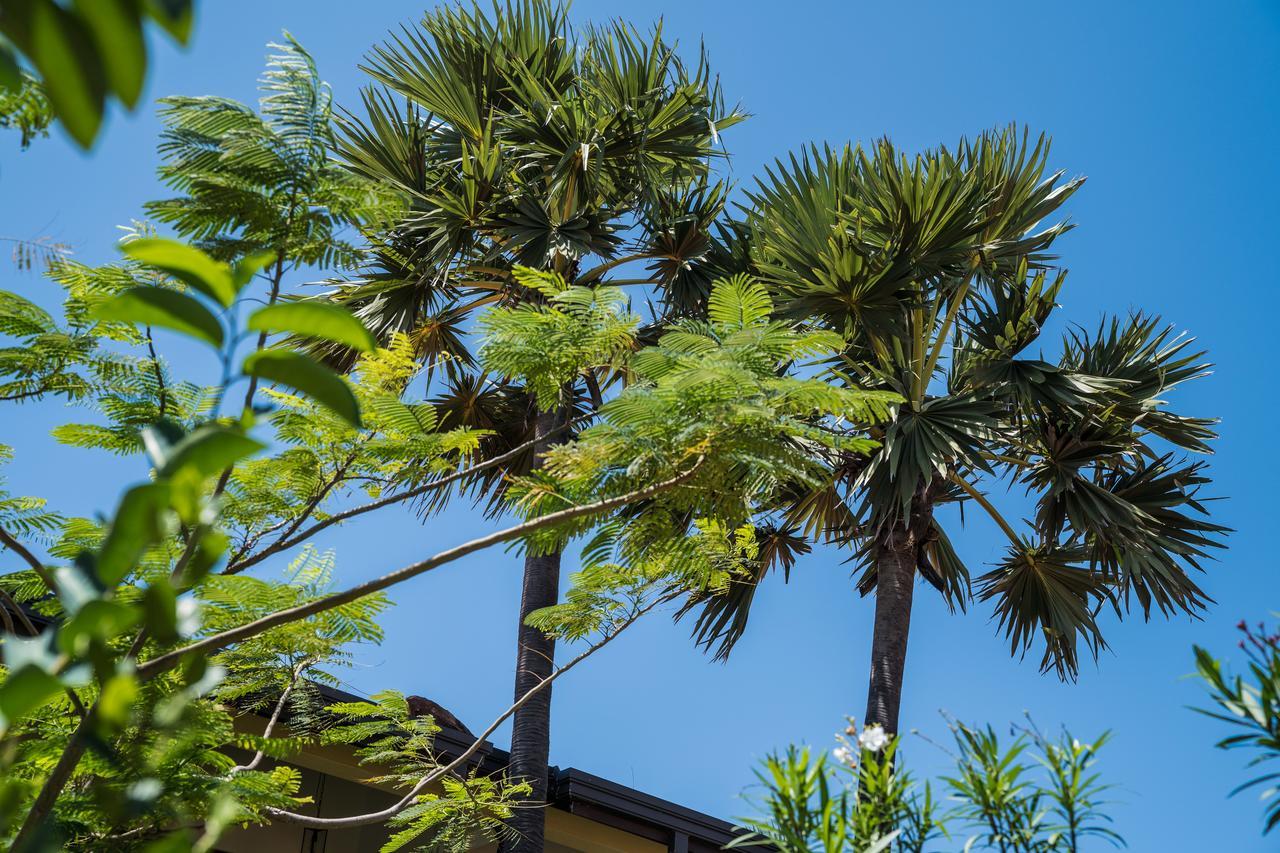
669,825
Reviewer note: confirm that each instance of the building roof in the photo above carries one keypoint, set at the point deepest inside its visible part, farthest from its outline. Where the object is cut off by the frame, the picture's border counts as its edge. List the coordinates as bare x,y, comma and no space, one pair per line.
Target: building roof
600,800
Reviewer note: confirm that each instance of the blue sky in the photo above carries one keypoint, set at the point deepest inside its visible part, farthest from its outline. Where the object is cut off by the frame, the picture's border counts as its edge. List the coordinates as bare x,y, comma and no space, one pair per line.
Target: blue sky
1169,108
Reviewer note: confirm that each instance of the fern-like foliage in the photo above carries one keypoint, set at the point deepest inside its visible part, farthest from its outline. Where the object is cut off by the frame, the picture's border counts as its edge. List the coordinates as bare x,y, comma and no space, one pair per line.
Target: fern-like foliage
262,180
175,741
466,809
26,109
547,347
713,405
322,459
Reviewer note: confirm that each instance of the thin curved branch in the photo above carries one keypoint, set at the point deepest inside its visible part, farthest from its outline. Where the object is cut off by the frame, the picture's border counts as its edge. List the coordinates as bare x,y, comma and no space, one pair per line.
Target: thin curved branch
215,642
440,772
275,716
158,373
288,541
18,548
291,525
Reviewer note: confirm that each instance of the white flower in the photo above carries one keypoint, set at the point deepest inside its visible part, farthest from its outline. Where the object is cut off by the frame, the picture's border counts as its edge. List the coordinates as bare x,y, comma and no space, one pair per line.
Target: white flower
874,738
843,754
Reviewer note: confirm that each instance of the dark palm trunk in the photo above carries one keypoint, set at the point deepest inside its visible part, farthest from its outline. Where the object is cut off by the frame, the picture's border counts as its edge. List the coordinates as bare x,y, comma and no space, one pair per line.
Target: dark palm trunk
895,585
898,556
535,658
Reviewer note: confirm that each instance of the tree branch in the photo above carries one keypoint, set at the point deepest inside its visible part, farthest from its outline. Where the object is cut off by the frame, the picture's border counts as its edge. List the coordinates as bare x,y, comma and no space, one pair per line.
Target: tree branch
285,542
159,374
57,779
275,716
252,629
441,772
18,548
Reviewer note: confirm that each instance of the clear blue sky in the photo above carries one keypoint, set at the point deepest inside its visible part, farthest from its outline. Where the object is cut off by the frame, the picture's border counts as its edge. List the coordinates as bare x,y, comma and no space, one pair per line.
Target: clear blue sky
1170,108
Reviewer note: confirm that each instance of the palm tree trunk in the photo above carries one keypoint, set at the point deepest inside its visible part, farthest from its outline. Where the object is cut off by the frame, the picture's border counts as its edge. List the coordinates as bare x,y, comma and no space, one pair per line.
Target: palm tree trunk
897,556
535,659
895,585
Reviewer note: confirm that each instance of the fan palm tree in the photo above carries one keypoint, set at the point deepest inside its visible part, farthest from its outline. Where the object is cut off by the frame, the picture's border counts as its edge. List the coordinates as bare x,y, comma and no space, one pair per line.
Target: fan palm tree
514,140
937,270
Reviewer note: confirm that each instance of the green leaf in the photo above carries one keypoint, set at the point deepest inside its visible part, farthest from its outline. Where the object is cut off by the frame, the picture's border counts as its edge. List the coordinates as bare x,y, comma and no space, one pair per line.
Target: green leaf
101,619
160,604
116,699
174,15
138,524
211,548
244,271
36,651
187,264
24,691
208,450
67,59
10,73
303,374
117,30
168,309
159,438
314,320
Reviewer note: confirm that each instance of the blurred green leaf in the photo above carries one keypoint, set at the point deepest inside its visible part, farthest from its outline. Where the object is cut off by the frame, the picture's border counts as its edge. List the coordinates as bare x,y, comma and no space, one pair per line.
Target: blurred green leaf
100,619
76,586
174,16
158,440
244,271
168,309
35,651
160,604
208,450
116,699
314,320
64,53
117,28
187,264
24,691
10,73
139,523
311,378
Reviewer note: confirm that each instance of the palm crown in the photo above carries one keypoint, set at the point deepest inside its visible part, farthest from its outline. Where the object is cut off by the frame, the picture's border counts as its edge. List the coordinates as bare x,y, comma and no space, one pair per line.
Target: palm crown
523,142
937,271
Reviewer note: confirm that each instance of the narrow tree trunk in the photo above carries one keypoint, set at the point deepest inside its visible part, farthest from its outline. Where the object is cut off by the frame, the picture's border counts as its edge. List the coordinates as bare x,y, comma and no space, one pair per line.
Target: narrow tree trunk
895,585
897,555
535,659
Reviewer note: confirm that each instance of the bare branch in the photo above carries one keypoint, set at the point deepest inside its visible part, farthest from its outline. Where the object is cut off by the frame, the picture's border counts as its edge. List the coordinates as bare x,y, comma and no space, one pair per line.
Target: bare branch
18,548
288,541
275,716
252,629
465,756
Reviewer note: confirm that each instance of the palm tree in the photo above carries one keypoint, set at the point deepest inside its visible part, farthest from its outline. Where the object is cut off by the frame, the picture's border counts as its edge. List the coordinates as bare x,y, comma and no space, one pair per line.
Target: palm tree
937,271
522,142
